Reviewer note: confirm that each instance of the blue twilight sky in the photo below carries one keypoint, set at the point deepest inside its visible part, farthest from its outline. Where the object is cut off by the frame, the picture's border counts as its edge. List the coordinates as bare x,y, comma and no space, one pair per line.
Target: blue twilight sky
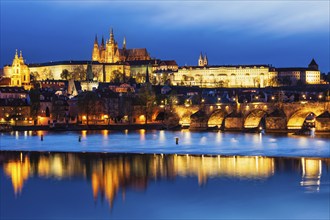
281,33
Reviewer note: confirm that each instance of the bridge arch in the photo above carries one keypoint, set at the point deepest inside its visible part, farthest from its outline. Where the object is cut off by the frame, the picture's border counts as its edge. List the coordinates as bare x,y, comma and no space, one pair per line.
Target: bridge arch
297,120
255,118
216,119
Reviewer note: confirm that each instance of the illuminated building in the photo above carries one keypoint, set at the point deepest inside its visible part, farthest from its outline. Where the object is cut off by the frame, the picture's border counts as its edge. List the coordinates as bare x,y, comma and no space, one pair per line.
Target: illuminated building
109,52
204,75
18,72
296,75
14,105
235,76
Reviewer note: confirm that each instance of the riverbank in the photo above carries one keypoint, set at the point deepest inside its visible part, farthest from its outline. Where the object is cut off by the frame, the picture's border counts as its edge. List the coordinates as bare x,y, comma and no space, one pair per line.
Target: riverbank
150,126
119,127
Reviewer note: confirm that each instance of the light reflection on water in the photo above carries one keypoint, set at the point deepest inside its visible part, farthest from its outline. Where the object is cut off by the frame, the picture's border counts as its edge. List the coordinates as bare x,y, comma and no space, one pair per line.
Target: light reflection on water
142,141
110,175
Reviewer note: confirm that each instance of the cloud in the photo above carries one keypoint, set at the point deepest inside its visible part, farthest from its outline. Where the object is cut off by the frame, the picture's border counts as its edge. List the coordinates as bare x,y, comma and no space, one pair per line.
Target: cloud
276,17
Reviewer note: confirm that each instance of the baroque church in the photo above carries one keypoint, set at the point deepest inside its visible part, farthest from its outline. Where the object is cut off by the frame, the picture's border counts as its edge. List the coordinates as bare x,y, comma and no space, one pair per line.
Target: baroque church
18,73
109,52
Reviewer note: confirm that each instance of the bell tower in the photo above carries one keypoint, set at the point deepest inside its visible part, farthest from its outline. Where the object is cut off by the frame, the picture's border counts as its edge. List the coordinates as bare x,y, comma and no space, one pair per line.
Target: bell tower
16,79
96,51
200,60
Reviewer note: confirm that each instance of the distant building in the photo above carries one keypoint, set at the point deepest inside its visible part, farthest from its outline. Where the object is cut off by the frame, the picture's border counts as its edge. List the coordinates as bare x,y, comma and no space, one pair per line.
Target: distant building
238,76
14,104
303,75
204,75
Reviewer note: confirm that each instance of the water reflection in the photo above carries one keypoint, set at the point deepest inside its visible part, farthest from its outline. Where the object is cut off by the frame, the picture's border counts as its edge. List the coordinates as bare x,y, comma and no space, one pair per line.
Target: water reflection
311,174
108,173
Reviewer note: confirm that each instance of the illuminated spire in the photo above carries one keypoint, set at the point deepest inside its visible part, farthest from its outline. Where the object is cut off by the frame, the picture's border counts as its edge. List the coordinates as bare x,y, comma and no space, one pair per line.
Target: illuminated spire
111,36
201,56
200,60
96,41
16,55
20,54
206,61
102,43
124,43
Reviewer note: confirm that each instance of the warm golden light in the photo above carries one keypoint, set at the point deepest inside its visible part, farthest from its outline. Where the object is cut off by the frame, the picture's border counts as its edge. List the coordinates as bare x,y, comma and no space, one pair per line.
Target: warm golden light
19,172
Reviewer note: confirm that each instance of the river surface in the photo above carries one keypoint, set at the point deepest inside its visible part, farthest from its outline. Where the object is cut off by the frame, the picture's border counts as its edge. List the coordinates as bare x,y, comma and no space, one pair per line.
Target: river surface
146,175
104,186
248,144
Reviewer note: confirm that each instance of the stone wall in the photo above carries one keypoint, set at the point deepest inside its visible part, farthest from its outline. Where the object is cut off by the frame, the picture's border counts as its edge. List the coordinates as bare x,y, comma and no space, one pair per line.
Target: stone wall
276,123
322,124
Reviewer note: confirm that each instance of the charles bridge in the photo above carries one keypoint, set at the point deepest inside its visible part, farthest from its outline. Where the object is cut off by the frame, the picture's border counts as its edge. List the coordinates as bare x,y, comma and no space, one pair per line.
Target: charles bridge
244,116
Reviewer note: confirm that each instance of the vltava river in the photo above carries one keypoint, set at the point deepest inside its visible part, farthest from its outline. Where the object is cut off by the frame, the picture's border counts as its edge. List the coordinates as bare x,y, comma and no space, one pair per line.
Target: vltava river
104,186
146,175
248,144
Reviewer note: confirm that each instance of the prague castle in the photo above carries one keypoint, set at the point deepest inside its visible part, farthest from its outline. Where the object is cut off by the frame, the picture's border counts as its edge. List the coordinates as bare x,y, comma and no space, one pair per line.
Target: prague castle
238,76
110,63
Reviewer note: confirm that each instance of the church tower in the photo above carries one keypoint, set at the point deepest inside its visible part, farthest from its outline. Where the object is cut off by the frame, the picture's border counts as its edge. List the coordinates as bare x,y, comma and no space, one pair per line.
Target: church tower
200,60
313,65
20,74
16,72
96,51
112,52
102,51
205,60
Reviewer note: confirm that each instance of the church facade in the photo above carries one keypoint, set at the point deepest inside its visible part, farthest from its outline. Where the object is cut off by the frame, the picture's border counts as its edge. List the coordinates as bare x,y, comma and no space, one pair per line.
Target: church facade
18,72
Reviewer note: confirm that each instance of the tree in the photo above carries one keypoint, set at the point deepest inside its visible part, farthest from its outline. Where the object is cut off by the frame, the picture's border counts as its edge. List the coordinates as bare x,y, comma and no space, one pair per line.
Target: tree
65,74
147,98
79,73
88,104
47,74
35,103
34,76
139,78
274,81
117,77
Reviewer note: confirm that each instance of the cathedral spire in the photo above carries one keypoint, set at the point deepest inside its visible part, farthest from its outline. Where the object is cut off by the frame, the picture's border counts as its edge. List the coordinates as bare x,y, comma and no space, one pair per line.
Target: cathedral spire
16,55
102,43
96,41
124,43
200,60
206,61
112,39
